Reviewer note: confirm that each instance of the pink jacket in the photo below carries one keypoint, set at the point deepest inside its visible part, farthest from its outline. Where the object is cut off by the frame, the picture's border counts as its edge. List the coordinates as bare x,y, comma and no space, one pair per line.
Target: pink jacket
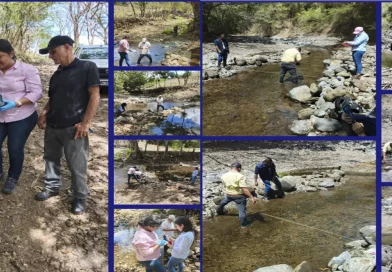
142,242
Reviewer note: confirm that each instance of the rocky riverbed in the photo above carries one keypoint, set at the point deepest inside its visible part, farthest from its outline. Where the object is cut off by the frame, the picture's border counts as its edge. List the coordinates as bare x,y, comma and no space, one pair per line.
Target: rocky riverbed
386,232
386,135
126,221
386,57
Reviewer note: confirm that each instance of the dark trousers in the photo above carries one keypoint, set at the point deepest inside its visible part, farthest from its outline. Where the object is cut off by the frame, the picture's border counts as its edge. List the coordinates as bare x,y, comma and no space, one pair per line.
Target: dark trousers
267,184
241,206
288,67
124,56
165,248
133,176
160,106
222,57
142,56
17,133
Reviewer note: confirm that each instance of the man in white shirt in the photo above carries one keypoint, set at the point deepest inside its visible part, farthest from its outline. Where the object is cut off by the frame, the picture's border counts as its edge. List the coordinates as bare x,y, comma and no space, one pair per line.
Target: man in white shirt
144,45
135,173
168,229
160,102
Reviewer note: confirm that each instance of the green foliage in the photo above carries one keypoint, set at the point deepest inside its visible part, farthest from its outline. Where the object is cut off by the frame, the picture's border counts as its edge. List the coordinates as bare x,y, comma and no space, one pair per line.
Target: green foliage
123,154
129,81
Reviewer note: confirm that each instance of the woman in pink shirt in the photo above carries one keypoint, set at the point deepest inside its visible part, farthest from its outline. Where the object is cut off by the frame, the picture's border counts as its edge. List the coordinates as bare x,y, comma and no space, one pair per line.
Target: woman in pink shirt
20,87
122,51
147,245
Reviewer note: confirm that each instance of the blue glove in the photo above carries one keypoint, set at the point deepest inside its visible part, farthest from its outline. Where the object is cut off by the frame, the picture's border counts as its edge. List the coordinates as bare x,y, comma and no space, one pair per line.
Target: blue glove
9,105
162,243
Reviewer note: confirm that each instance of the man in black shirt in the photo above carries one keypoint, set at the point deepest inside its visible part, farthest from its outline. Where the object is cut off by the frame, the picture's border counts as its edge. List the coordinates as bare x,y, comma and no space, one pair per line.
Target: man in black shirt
66,118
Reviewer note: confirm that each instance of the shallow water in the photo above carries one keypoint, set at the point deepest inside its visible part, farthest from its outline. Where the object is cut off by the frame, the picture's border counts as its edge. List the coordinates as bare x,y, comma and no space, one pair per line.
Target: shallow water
253,102
343,211
386,60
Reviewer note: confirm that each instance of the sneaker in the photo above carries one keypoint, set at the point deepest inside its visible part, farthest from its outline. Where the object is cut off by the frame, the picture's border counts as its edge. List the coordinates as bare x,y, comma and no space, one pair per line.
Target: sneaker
78,206
45,195
266,198
9,185
246,224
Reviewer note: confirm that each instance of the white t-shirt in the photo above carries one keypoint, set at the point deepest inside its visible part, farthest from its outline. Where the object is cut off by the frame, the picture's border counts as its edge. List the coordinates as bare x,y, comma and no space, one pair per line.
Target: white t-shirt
145,45
131,171
182,245
160,101
167,225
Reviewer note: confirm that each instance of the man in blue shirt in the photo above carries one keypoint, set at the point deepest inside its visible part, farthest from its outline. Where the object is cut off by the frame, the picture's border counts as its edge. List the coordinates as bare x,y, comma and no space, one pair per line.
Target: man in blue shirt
358,48
222,48
267,172
120,110
194,175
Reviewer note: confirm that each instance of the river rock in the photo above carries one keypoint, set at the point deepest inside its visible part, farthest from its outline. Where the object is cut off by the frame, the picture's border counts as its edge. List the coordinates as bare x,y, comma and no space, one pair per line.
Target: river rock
217,200
305,113
356,244
323,105
325,124
251,61
301,93
211,73
240,61
301,127
289,183
305,267
337,82
342,258
344,74
263,59
368,231
359,265
334,63
314,89
327,183
333,94
339,69
276,268
329,73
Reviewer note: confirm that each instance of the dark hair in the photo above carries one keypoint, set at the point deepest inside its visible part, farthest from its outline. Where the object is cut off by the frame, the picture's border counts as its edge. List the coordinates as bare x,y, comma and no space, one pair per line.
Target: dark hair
268,161
390,144
299,49
197,168
182,220
123,104
126,36
6,47
149,222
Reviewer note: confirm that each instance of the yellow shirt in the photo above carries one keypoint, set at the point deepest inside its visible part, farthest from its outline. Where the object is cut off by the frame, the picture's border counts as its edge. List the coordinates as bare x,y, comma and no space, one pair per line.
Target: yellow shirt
233,182
291,55
387,147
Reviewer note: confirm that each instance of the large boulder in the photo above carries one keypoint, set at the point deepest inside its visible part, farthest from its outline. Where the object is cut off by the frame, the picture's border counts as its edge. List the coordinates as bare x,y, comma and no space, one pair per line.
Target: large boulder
305,113
327,183
301,127
368,231
289,183
301,93
333,94
263,59
314,89
240,61
276,268
325,124
211,73
250,61
359,265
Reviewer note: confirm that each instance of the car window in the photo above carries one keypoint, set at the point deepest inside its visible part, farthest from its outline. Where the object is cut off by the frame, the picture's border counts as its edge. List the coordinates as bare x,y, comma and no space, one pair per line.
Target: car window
94,53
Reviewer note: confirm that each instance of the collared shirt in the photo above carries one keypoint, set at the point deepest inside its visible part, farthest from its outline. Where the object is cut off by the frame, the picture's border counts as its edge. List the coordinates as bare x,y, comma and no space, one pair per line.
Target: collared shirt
143,243
265,172
145,47
21,80
182,245
222,45
124,46
160,101
68,93
291,55
360,42
168,225
387,147
233,182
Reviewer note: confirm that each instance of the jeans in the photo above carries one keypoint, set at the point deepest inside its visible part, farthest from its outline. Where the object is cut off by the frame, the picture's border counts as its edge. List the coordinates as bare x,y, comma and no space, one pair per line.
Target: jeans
193,180
17,133
57,141
173,262
142,56
267,184
357,57
222,56
288,67
153,266
240,200
124,56
160,106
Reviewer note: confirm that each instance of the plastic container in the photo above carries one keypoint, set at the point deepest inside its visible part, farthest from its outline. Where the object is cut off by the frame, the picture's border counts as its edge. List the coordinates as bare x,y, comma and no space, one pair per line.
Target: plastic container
2,103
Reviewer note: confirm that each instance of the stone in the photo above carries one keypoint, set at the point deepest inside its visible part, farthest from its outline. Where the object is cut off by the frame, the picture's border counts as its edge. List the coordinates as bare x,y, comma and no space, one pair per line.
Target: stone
305,113
325,124
327,183
301,127
329,73
276,268
305,267
240,61
339,69
323,105
211,73
368,231
263,59
217,200
336,82
259,63
335,63
333,94
356,244
251,61
342,258
344,74
359,265
301,93
289,183
314,89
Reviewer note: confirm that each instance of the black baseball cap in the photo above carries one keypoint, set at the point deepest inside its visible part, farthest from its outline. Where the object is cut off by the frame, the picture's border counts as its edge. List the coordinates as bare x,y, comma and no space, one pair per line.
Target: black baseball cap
236,165
151,222
56,41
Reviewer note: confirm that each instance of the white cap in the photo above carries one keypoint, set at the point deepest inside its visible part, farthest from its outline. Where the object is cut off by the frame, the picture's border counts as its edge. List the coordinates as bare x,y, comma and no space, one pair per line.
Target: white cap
172,217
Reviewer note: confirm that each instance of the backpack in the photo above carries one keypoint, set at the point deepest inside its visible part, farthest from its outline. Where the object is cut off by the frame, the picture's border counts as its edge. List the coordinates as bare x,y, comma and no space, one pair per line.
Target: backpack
348,106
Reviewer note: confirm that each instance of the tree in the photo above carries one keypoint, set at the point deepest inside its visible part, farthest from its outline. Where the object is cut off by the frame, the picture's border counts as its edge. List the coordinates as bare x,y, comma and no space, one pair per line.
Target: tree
129,81
186,76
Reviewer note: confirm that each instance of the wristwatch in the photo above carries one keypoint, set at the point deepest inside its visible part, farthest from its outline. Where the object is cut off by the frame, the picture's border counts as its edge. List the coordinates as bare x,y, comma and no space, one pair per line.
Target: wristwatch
18,103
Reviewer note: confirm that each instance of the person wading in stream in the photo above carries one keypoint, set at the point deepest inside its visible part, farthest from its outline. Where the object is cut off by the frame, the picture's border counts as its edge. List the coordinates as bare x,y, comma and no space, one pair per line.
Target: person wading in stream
122,51
267,172
222,48
236,190
291,57
387,150
144,45
160,102
147,245
358,49
66,118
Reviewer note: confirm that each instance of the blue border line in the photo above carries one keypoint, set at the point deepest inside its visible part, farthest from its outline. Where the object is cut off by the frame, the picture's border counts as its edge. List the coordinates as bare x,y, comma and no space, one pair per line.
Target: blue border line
379,138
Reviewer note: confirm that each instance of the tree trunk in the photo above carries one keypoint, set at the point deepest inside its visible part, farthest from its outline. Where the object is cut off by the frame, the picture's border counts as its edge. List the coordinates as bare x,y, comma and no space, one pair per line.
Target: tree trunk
181,146
145,147
166,148
196,17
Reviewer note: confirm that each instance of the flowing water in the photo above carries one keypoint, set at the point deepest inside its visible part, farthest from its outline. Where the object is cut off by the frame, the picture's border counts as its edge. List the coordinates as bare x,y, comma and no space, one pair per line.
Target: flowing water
253,102
269,241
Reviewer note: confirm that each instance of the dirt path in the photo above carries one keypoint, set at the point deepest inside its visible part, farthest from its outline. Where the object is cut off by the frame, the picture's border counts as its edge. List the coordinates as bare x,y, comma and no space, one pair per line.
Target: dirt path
45,236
